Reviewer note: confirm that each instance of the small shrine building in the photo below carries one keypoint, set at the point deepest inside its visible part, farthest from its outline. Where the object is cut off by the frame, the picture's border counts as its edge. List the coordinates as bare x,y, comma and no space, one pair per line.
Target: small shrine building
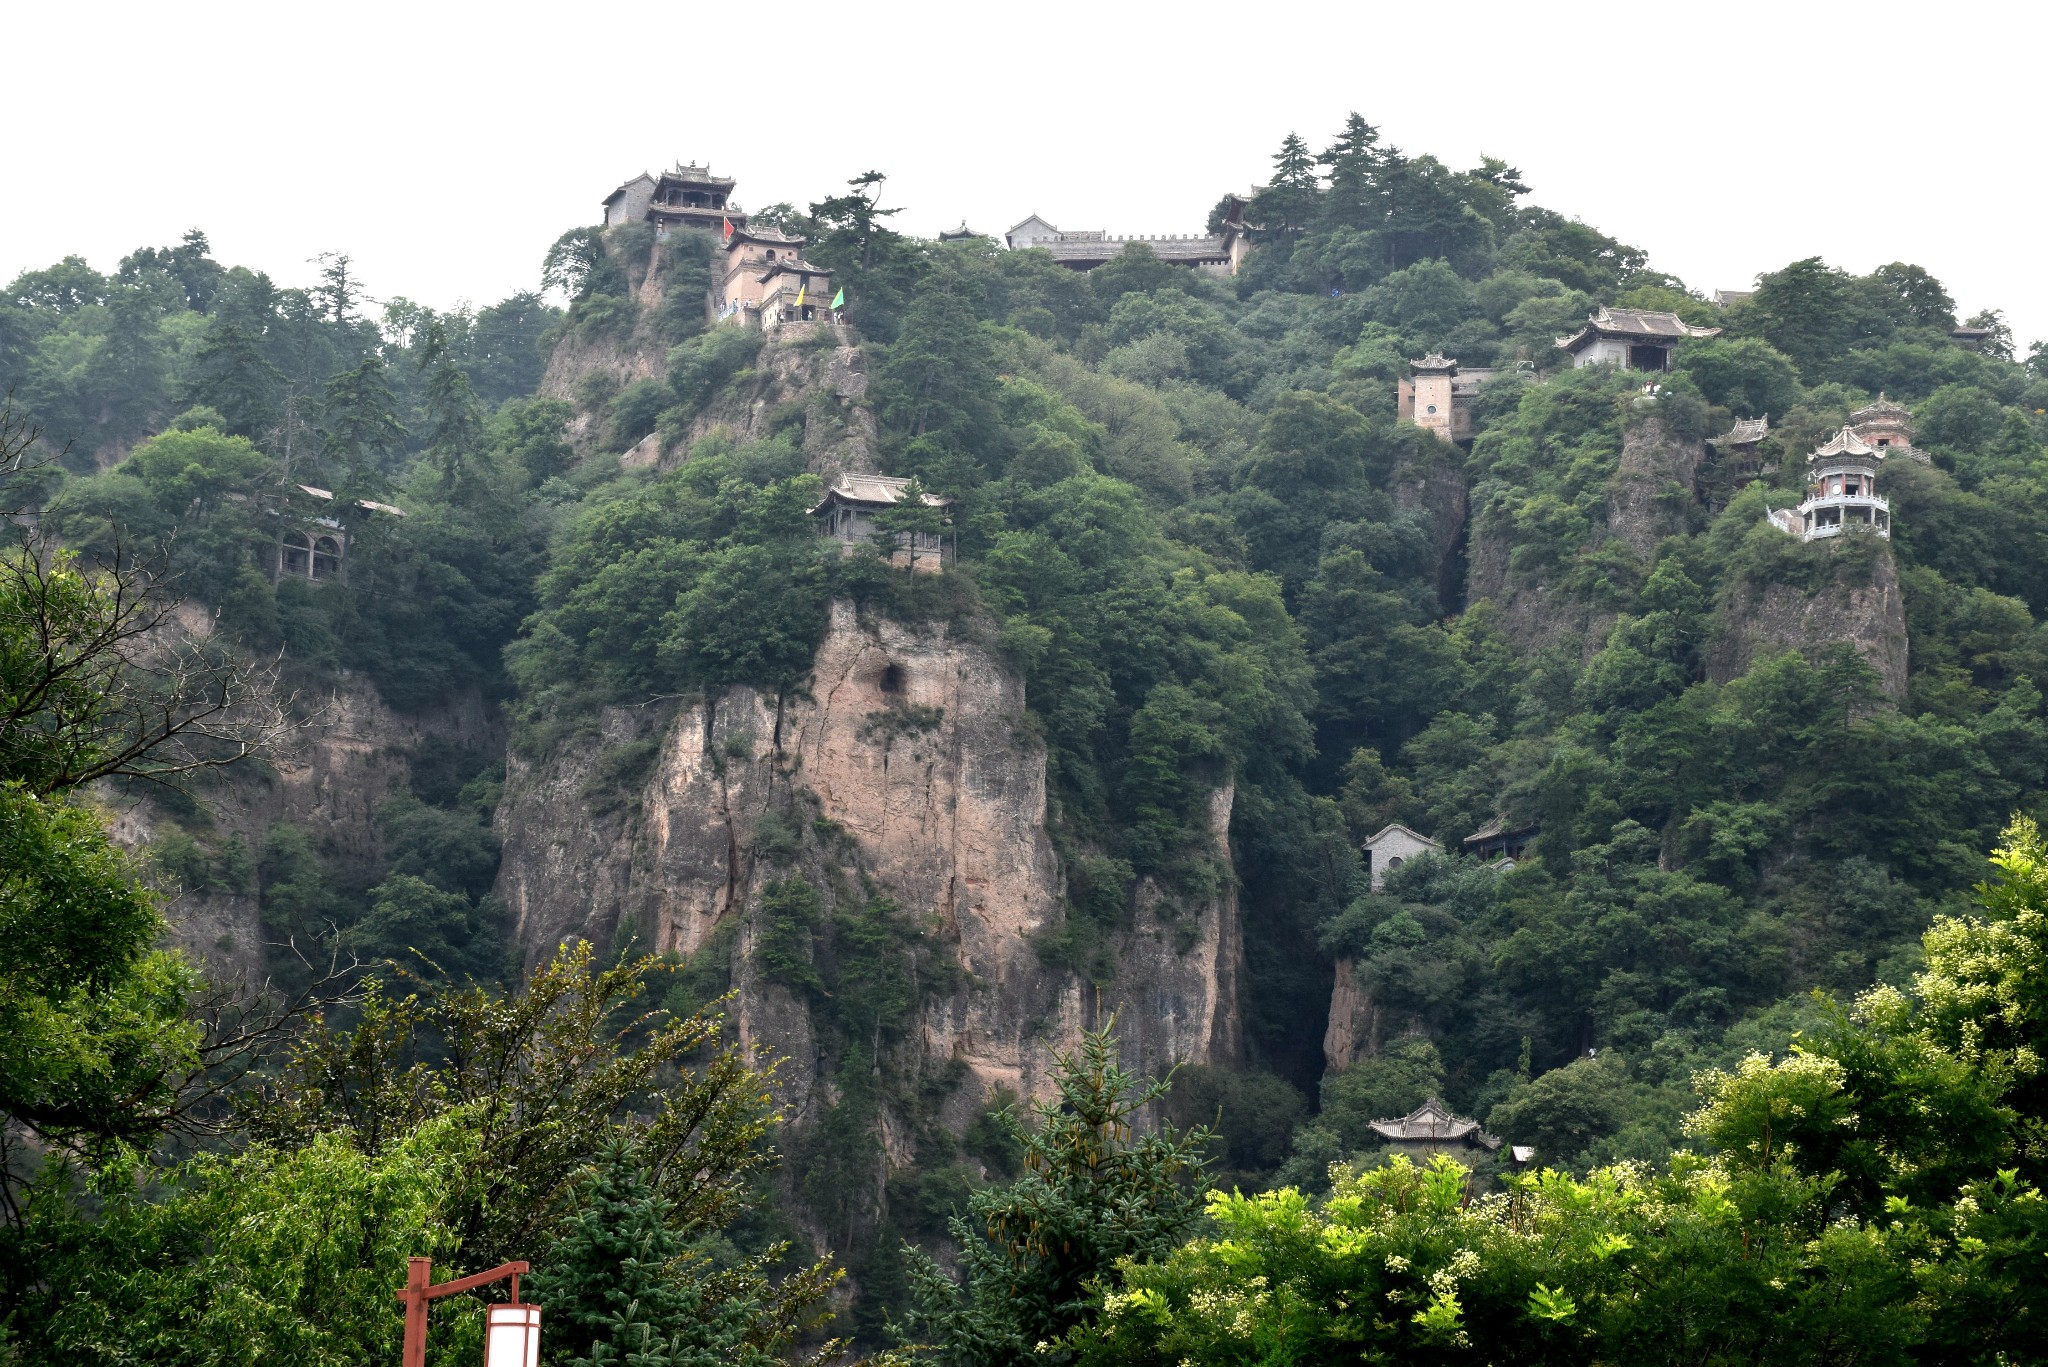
1392,847
1437,395
1636,339
1431,1129
847,515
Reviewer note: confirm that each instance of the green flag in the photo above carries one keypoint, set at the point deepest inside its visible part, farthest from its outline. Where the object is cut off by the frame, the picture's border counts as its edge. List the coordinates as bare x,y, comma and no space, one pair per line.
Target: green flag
839,299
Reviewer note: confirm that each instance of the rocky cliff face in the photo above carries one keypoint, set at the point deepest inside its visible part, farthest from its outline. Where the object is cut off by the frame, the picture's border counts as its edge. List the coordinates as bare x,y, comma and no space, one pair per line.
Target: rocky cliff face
1862,606
1651,495
1436,489
350,757
916,759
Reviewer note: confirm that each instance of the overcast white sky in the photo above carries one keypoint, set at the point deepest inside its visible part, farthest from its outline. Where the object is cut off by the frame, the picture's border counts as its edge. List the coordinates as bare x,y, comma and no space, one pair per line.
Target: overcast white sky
444,146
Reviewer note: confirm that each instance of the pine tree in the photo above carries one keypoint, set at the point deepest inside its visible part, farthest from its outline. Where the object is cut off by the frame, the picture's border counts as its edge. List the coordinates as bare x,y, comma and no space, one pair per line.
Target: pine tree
231,375
1288,202
457,424
358,424
1093,1193
620,1287
1355,162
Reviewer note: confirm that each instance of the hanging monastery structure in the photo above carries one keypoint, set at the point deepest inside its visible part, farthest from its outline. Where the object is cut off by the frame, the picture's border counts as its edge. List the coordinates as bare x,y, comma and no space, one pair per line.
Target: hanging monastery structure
1841,475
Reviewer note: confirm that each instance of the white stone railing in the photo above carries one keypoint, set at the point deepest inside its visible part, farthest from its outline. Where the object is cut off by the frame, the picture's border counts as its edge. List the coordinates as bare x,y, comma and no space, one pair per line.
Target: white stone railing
1847,501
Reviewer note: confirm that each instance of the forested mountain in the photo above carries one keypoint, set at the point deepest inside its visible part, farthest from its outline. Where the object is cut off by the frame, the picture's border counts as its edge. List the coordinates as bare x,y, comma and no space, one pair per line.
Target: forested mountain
581,668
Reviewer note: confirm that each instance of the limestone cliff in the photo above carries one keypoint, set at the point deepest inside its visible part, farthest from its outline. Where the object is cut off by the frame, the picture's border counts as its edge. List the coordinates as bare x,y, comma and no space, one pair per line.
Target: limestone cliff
1652,494
1434,486
914,753
812,374
1859,603
350,756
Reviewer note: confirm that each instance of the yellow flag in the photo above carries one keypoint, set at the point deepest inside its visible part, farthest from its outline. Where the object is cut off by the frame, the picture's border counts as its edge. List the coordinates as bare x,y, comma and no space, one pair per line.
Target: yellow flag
800,294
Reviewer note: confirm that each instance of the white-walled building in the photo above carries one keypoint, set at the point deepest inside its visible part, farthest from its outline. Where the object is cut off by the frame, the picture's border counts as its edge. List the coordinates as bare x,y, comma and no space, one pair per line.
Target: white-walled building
1394,846
1638,339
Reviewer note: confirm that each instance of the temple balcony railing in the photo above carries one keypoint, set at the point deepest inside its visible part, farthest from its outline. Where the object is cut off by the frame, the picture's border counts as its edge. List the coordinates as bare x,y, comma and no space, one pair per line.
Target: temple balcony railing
1837,528
1846,501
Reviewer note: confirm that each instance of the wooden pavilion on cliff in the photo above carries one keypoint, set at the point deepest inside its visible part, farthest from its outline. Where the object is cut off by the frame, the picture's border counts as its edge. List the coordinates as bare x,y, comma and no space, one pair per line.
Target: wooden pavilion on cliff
848,511
1841,491
681,197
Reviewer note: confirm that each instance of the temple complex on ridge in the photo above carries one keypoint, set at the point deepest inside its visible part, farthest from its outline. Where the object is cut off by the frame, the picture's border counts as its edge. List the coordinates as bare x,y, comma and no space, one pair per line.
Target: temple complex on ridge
681,197
1219,253
1639,339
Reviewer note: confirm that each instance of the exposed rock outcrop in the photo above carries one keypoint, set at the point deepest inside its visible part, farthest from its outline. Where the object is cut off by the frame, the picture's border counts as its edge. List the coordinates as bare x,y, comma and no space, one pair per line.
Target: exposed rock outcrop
1651,495
1349,1035
913,743
1862,607
350,758
1436,488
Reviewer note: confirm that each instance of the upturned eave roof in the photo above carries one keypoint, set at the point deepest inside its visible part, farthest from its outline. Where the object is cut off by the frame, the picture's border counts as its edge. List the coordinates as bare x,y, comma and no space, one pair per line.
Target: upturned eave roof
881,491
1432,1122
1649,324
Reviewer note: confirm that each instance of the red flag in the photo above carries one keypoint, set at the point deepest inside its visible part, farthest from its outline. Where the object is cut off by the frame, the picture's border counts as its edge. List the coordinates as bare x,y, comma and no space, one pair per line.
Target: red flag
728,227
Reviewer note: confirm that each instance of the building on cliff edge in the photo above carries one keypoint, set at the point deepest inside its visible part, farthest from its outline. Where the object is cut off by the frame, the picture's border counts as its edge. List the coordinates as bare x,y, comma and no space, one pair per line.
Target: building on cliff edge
1638,339
1437,395
766,282
680,197
847,515
1841,475
1841,491
1394,846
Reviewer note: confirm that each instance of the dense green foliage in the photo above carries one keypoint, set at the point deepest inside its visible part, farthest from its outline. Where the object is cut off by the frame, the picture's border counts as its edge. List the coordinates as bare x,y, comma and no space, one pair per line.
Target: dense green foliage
1872,1197
1094,1195
1187,516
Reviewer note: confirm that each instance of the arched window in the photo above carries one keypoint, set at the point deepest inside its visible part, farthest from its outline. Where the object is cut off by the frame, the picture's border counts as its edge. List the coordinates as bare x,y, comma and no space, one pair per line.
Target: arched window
326,558
297,553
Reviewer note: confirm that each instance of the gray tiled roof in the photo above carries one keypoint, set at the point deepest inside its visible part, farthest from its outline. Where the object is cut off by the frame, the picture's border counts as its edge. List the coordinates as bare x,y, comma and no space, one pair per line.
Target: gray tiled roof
1433,1122
1745,431
881,490
1635,323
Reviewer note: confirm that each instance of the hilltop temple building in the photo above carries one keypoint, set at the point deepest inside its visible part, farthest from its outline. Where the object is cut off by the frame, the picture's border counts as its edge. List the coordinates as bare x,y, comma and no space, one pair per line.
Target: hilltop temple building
681,197
1638,339
1219,253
